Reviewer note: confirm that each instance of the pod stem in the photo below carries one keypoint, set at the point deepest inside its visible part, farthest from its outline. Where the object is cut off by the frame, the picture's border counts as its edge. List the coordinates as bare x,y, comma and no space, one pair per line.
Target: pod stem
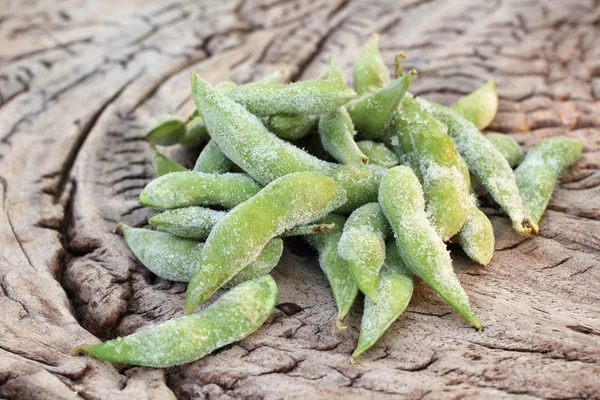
81,349
339,324
522,229
532,224
119,228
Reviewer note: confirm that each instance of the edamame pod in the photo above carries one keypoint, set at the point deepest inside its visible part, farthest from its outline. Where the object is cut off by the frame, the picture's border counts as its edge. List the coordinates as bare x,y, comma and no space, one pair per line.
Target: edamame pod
167,131
487,164
394,291
183,189
361,183
370,72
537,174
336,132
266,261
232,317
372,113
237,239
212,160
362,246
476,237
164,165
188,222
291,127
378,153
508,146
480,106
421,249
335,269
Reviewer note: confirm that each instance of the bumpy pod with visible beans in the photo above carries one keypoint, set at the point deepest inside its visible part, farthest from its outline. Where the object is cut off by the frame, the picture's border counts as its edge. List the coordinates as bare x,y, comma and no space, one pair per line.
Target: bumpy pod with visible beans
421,248
362,246
370,72
487,164
164,165
508,146
335,269
237,239
476,237
378,153
422,143
212,160
479,107
537,174
167,131
232,317
190,188
394,291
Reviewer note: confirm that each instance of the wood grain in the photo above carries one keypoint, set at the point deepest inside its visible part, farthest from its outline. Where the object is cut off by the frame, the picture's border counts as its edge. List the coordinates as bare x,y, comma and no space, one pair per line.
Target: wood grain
80,81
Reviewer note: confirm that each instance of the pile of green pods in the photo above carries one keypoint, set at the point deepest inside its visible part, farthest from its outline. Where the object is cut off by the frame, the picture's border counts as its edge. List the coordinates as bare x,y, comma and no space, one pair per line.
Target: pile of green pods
377,180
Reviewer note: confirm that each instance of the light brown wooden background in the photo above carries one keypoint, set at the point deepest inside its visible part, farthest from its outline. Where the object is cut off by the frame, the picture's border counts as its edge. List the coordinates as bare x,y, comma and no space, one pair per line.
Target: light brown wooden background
81,80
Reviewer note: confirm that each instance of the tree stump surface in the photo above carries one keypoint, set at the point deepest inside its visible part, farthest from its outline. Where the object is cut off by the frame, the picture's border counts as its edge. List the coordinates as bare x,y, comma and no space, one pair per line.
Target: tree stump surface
81,81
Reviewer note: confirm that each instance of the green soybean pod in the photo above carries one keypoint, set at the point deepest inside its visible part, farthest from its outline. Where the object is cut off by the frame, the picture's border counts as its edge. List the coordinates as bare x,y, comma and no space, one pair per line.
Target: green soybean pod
336,132
394,291
294,199
212,160
167,131
422,143
266,261
291,126
232,317
164,165
476,237
537,174
508,146
361,183
419,245
370,72
190,188
362,246
378,153
372,113
480,106
335,269
487,164
188,222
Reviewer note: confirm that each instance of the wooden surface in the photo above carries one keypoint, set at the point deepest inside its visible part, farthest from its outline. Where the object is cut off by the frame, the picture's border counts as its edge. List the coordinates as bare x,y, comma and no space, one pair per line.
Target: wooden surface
79,83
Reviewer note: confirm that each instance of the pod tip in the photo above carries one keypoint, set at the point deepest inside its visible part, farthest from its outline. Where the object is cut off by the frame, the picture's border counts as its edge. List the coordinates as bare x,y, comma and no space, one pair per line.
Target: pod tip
119,228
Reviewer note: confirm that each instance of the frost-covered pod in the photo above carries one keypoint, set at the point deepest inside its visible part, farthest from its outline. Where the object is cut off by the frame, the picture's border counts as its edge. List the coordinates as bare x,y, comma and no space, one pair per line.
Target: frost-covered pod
335,269
394,291
370,72
237,239
419,245
378,153
190,188
422,143
372,113
232,317
508,146
537,174
487,164
212,160
362,246
167,131
174,258
476,237
361,183
480,106
164,165
336,132
188,222
290,126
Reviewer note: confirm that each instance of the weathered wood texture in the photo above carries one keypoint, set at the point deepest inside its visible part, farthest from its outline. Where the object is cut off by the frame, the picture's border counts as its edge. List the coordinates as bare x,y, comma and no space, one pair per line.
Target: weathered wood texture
79,83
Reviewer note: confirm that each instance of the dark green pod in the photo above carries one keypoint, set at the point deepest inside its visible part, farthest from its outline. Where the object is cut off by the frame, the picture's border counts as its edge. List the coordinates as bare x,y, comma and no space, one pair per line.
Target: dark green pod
167,131
212,160
164,165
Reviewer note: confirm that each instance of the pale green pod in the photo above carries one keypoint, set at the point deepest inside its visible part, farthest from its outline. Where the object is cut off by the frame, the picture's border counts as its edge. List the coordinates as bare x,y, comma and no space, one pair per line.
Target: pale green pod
266,261
487,164
419,245
164,165
480,106
183,189
238,238
476,237
508,146
370,72
167,131
378,153
291,126
188,222
394,291
212,160
335,269
336,132
362,246
537,174
361,183
372,113
235,315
